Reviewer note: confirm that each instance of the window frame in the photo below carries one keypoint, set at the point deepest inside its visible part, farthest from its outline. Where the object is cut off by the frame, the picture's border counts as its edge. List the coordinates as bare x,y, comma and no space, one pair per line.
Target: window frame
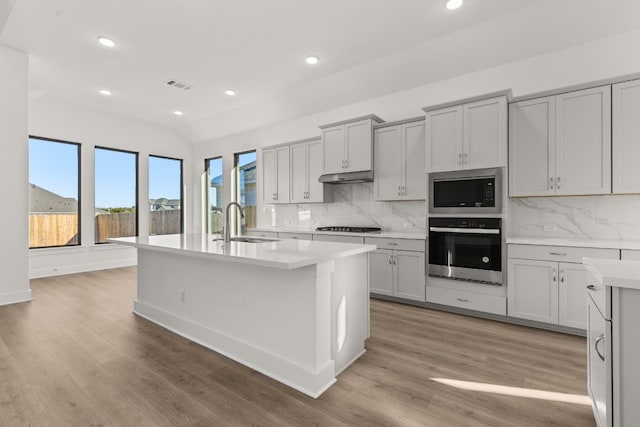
137,175
181,187
79,211
235,191
207,201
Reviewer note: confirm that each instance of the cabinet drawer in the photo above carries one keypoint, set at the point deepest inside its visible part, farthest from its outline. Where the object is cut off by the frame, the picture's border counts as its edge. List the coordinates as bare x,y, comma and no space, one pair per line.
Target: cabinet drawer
268,234
299,236
630,255
396,244
338,238
469,300
559,253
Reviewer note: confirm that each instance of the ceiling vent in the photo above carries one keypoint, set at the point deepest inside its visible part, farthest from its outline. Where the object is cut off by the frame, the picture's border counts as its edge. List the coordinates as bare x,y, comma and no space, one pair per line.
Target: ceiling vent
179,85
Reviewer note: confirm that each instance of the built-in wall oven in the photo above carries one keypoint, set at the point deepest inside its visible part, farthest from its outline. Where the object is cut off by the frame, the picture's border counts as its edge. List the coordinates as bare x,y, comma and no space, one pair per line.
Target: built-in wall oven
466,249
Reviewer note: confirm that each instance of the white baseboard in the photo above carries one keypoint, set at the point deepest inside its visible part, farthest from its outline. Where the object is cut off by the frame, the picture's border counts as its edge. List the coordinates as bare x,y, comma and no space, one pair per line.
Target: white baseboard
287,372
15,297
35,273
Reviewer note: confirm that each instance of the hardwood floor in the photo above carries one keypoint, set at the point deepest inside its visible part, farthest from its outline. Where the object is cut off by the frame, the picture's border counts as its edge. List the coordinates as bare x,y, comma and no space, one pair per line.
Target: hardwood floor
77,356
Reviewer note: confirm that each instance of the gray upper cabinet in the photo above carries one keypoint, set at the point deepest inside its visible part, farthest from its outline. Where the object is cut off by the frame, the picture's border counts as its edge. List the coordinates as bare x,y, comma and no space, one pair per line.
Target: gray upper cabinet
399,162
561,145
467,136
347,146
306,168
275,175
626,137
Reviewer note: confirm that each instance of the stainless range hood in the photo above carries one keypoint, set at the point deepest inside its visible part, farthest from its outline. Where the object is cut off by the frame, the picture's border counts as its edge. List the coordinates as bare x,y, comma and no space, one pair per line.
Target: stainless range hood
346,177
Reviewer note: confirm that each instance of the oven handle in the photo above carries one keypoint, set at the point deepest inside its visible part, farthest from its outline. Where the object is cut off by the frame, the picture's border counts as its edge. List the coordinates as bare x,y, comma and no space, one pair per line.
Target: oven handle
465,230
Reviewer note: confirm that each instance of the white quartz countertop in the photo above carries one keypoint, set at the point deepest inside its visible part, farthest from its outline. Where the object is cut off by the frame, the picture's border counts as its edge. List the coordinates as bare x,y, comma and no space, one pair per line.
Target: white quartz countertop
285,254
609,272
386,234
576,242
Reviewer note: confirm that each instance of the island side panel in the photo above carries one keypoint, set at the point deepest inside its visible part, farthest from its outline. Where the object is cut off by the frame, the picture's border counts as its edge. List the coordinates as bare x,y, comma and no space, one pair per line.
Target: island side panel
351,289
273,320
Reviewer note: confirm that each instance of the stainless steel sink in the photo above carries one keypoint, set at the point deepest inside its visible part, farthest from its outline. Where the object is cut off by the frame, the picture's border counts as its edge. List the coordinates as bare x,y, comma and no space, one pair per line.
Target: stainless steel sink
250,239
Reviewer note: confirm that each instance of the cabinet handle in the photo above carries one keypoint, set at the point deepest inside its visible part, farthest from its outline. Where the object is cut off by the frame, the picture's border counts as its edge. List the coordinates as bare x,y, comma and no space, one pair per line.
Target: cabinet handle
591,287
346,164
459,158
558,183
390,260
595,346
550,183
392,244
561,276
399,191
557,253
555,275
462,300
465,158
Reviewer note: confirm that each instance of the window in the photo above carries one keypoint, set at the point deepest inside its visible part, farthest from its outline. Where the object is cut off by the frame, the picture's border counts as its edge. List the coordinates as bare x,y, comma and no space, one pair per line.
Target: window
215,191
116,194
245,186
165,195
54,188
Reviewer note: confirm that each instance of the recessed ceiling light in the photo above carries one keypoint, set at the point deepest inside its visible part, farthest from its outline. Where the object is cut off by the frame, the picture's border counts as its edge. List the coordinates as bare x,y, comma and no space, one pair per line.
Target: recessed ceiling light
230,92
312,60
105,92
106,41
178,112
454,4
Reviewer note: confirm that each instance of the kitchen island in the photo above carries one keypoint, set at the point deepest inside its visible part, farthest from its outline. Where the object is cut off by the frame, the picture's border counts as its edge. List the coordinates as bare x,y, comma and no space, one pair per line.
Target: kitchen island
296,311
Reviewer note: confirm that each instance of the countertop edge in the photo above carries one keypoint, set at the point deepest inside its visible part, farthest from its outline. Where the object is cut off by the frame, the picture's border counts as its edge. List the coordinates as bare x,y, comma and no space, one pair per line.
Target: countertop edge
383,234
614,273
577,243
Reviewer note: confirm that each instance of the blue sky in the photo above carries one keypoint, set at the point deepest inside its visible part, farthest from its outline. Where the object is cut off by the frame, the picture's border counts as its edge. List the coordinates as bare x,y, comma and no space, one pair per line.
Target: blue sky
54,167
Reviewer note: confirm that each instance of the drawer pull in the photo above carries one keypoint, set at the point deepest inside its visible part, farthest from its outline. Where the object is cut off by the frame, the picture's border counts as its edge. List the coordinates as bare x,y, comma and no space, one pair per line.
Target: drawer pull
462,300
392,244
595,346
591,287
557,253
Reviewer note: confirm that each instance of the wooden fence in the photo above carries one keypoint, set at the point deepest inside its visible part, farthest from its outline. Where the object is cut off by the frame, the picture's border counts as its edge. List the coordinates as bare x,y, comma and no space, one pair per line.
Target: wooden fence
164,222
121,224
53,229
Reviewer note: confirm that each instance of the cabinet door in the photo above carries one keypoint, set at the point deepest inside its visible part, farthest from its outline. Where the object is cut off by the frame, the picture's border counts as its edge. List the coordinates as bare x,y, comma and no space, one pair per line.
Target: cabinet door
598,370
484,134
282,175
381,272
314,170
269,175
414,180
533,290
388,163
532,147
409,270
572,295
359,141
626,137
583,142
334,155
299,184
443,136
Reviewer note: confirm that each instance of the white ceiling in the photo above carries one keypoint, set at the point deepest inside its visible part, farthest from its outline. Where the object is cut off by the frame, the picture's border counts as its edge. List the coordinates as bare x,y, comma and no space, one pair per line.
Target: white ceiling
367,48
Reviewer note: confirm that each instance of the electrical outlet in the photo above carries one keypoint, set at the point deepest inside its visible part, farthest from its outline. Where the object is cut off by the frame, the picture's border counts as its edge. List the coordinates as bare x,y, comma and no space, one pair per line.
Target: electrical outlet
182,295
550,228
408,225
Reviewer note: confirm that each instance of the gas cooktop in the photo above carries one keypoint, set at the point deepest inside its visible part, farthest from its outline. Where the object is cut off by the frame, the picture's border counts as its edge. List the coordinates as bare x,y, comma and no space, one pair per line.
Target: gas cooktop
351,229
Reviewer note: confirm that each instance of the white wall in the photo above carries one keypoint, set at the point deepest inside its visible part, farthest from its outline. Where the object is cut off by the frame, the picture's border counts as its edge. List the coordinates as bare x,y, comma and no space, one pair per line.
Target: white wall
14,281
90,128
605,58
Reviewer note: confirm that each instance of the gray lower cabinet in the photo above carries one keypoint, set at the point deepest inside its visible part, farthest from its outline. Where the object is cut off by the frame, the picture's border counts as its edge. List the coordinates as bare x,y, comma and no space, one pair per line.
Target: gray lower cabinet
397,268
546,283
613,353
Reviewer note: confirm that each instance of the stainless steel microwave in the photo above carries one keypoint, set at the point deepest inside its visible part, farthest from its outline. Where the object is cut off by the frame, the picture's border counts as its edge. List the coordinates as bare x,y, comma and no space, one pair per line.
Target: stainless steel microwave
468,191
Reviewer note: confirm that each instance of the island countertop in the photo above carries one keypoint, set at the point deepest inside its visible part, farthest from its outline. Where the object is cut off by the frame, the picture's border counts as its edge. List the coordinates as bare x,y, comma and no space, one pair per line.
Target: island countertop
284,254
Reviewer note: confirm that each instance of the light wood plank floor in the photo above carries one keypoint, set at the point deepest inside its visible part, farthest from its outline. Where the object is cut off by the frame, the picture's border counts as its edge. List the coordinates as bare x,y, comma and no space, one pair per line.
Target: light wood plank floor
77,356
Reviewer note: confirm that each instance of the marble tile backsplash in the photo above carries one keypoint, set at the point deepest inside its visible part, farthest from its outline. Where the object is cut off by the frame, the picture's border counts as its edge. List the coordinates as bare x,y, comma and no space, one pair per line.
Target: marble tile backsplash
596,217
352,205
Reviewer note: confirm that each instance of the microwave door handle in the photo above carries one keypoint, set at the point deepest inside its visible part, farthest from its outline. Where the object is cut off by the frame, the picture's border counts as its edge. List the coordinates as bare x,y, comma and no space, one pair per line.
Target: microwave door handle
465,230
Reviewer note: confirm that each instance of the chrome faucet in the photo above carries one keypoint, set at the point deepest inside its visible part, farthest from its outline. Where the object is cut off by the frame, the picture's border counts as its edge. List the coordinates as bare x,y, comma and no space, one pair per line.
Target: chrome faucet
227,222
